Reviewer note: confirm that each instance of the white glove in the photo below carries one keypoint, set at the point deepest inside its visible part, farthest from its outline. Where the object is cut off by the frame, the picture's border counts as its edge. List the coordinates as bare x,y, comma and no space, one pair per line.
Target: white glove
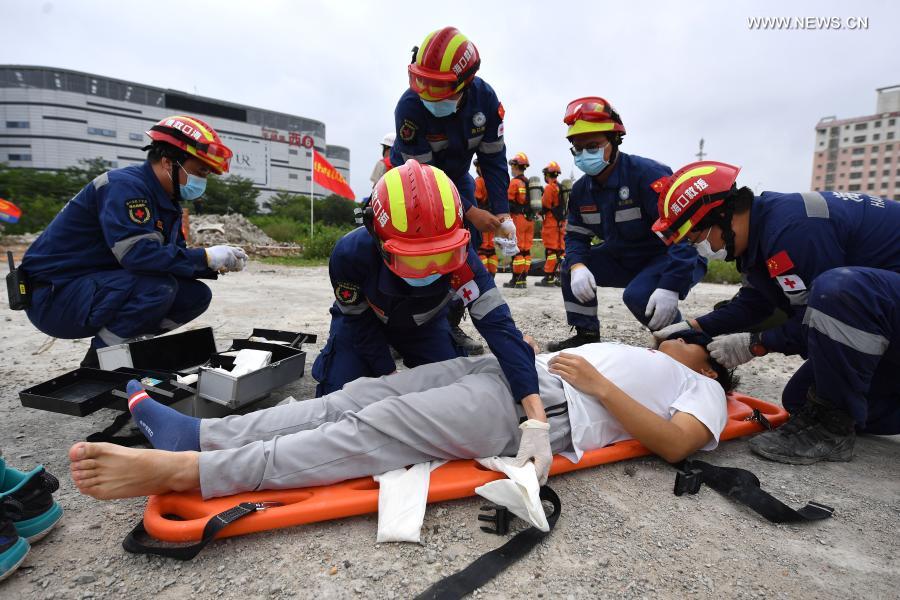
583,284
662,308
731,350
508,247
664,333
507,229
535,445
226,258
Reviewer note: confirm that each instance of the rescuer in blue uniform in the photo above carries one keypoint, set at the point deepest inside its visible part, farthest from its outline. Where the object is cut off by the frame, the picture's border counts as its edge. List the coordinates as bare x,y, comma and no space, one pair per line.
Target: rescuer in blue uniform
113,263
393,281
446,117
831,261
614,202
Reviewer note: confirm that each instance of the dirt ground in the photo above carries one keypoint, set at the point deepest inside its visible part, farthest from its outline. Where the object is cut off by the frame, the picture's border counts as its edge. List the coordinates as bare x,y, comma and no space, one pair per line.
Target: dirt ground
622,533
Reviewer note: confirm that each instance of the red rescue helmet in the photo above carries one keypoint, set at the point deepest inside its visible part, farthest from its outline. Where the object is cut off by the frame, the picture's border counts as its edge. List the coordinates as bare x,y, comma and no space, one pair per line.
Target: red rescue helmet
443,65
196,138
552,168
519,160
592,113
416,216
688,195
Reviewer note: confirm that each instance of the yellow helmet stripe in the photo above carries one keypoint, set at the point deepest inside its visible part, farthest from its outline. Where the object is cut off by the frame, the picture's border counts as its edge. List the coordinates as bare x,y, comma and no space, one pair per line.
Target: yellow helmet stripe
396,198
696,172
424,46
454,44
683,230
444,186
582,126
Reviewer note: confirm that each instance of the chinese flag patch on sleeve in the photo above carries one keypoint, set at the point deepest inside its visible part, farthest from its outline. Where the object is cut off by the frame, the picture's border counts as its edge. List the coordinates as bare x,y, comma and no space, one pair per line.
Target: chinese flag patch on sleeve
779,263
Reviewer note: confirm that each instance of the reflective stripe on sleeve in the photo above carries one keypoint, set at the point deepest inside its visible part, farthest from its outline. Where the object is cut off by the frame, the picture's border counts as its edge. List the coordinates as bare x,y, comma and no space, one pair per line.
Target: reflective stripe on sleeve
815,204
353,309
578,309
578,229
423,318
123,247
491,147
485,303
422,158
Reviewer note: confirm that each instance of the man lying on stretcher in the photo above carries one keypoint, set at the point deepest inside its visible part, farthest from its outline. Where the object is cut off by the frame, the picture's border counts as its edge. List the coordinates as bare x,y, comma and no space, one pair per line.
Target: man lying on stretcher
672,400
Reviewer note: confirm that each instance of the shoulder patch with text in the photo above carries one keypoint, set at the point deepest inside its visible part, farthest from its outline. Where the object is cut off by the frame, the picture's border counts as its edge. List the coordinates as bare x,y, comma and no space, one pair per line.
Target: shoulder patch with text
408,130
138,210
346,292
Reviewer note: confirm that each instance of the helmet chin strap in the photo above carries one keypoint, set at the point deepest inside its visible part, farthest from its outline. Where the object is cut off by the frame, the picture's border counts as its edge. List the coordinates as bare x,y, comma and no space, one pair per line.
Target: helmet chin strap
176,186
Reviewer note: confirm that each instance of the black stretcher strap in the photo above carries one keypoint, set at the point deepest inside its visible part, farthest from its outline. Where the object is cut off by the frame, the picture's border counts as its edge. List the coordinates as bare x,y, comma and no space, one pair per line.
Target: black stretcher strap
140,542
109,434
489,565
743,486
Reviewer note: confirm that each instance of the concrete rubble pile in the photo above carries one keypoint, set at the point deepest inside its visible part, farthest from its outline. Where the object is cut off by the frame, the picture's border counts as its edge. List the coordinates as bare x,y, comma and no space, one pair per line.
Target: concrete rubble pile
236,230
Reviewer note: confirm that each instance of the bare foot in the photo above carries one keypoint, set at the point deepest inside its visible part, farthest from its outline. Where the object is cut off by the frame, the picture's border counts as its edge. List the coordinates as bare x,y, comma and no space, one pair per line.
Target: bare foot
107,471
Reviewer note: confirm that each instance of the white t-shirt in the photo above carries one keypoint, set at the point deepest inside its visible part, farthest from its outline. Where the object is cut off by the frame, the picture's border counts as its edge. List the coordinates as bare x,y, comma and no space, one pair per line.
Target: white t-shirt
659,382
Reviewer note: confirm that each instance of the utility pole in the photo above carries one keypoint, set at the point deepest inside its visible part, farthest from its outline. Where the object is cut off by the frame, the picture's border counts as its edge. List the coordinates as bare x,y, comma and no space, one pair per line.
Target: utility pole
701,153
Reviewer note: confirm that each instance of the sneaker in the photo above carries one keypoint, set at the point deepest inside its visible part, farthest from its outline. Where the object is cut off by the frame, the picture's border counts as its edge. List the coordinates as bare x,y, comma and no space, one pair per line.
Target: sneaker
33,491
462,339
13,547
817,432
581,337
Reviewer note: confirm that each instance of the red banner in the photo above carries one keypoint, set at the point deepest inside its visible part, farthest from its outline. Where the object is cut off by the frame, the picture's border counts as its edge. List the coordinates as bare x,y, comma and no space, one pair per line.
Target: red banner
328,177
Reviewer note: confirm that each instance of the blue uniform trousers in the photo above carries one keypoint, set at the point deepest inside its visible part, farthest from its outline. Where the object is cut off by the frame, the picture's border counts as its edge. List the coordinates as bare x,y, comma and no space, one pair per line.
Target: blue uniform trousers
339,362
638,275
117,305
852,324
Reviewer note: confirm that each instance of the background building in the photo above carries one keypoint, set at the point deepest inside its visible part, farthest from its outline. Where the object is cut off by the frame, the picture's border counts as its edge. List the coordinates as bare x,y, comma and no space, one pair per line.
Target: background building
861,154
52,118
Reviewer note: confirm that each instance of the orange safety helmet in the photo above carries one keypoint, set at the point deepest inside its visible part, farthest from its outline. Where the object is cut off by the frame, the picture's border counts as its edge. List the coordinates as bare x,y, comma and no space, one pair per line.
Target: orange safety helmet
519,160
592,113
552,167
196,138
443,65
416,216
688,195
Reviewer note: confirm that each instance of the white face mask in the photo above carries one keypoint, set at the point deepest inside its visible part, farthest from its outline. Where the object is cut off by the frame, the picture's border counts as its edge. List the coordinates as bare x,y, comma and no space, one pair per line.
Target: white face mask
705,250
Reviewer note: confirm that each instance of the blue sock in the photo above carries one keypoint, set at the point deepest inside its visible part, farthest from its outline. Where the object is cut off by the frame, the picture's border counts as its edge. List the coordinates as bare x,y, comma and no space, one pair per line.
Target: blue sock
166,428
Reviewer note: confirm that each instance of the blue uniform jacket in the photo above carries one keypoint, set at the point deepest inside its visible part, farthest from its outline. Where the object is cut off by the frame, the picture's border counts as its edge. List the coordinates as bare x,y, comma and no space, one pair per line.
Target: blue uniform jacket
621,212
370,299
121,220
449,143
793,239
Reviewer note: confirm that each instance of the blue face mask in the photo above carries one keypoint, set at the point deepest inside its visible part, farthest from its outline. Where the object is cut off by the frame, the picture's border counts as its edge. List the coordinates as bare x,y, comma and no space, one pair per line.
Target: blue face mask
194,187
443,108
591,164
423,281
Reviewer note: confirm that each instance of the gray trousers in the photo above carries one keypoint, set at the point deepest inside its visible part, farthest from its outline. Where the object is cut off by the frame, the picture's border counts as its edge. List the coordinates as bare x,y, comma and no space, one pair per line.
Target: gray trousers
459,408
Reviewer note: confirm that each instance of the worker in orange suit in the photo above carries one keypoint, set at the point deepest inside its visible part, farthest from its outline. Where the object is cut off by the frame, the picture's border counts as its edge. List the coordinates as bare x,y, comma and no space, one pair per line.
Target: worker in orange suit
486,251
523,217
552,232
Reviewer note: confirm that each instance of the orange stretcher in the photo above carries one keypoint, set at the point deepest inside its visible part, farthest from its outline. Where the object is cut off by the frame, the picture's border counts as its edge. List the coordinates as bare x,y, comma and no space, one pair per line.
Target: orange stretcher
181,517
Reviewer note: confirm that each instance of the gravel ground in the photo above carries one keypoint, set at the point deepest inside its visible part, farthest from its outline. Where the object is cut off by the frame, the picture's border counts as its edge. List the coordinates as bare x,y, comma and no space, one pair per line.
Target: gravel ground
622,533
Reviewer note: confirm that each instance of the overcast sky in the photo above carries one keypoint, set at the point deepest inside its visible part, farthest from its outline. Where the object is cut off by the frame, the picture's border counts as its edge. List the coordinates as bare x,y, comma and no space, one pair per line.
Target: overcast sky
676,71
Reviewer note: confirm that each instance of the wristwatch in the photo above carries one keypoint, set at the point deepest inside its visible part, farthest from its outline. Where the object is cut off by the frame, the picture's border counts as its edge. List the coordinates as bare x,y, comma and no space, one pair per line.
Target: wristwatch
756,346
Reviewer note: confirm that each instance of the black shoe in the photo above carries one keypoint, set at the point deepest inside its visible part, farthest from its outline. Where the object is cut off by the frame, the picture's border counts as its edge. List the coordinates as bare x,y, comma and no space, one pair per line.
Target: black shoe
557,282
521,283
13,547
511,283
581,337
461,339
547,281
90,360
817,432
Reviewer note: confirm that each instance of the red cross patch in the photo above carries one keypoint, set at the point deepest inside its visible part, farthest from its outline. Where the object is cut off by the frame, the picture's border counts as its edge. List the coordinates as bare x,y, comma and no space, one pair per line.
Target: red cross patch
790,283
469,292
346,292
138,210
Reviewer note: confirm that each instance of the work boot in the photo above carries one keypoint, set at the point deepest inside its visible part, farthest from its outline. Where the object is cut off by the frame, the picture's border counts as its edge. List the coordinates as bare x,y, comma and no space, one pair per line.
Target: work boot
557,281
546,281
521,282
581,337
512,282
462,339
817,432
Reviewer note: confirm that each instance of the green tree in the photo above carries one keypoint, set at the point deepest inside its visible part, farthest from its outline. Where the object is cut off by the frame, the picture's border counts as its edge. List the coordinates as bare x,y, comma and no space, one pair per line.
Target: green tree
334,210
289,205
232,194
